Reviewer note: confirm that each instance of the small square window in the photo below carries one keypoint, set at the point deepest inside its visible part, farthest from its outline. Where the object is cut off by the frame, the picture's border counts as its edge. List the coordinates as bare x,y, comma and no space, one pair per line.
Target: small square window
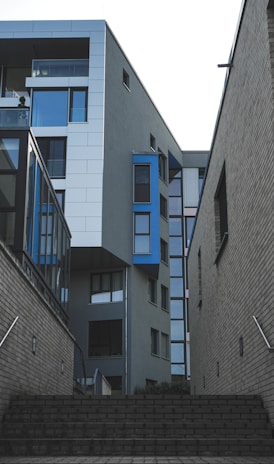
126,79
152,142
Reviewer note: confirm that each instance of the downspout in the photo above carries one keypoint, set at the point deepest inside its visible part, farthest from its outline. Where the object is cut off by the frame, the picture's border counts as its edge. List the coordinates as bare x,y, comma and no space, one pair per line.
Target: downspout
126,333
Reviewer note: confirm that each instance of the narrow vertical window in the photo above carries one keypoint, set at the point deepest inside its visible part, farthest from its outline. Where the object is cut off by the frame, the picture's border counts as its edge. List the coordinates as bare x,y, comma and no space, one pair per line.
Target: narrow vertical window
200,277
164,297
142,183
126,79
162,167
152,293
163,206
152,142
164,251
78,105
221,222
155,342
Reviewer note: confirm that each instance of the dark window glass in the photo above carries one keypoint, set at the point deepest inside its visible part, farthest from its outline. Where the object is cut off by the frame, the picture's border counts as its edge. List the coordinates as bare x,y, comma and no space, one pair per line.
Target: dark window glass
152,142
50,108
105,338
53,150
164,346
107,287
61,198
78,105
155,342
152,294
222,207
164,297
163,206
162,167
142,183
7,224
125,78
7,190
164,251
9,153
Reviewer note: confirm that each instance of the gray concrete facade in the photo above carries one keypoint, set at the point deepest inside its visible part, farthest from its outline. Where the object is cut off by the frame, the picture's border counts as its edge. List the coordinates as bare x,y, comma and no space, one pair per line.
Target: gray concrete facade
232,281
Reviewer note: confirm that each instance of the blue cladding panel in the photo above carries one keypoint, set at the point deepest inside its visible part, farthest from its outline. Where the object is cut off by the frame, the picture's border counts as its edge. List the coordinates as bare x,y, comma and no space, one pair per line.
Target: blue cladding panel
153,208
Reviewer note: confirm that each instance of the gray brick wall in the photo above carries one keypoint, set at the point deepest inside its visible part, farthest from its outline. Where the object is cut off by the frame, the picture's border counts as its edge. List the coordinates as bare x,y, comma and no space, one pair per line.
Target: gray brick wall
241,284
21,370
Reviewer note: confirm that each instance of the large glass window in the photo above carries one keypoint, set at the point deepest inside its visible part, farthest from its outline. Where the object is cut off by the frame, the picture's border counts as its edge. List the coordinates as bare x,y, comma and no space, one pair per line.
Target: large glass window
141,183
107,287
53,150
78,105
105,338
50,108
141,233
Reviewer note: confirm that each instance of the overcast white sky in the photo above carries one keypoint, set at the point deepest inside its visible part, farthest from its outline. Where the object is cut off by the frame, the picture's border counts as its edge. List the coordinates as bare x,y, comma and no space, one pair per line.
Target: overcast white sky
173,45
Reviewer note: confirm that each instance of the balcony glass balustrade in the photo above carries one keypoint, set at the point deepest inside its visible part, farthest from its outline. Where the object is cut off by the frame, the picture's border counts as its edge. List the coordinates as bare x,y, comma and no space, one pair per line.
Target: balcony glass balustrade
59,68
14,117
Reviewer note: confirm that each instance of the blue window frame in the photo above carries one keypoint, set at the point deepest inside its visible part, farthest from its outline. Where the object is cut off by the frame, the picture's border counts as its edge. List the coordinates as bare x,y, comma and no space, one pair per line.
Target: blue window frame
142,233
78,105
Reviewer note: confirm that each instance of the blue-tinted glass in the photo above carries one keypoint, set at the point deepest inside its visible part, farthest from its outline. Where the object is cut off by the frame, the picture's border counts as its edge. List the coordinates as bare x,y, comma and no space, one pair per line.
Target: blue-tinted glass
177,309
175,246
9,153
50,108
176,266
175,206
177,353
176,287
177,330
142,223
189,228
174,188
141,244
177,369
175,226
78,106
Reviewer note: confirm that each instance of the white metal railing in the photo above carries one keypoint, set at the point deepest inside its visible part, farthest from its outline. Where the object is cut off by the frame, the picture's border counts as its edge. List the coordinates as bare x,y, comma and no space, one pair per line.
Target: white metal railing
8,331
270,348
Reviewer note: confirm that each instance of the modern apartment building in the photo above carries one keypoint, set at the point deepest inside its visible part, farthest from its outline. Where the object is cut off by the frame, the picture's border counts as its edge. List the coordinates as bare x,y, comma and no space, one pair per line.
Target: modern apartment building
231,254
114,164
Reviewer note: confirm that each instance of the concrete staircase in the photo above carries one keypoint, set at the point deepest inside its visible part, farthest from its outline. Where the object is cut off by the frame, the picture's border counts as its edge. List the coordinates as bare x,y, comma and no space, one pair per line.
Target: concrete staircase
157,425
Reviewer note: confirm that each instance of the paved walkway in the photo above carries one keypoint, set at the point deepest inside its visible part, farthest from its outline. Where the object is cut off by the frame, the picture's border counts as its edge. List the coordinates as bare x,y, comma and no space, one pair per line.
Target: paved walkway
138,460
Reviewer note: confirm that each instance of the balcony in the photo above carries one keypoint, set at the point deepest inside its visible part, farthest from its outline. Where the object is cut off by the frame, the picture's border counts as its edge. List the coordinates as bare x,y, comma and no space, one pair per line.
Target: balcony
60,68
14,118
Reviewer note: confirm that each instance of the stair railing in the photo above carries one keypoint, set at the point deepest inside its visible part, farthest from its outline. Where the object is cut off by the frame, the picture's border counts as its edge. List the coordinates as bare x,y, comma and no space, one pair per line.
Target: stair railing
270,348
8,331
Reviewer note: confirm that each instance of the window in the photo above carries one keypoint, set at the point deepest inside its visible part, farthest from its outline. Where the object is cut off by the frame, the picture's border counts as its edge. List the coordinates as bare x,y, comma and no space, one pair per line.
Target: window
126,79
105,338
221,222
162,166
163,206
190,221
177,309
141,233
176,267
164,346
152,290
107,287
175,226
152,142
177,330
155,342
142,183
78,105
177,352
50,108
164,297
53,150
164,251
61,198
201,178
200,276
176,287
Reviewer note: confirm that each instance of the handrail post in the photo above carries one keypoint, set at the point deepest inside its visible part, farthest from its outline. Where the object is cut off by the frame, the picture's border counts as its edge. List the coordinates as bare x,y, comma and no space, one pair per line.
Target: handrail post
9,330
271,348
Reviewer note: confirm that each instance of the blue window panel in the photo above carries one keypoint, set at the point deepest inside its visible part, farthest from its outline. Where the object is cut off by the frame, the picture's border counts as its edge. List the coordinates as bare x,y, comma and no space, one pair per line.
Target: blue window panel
175,246
142,223
177,352
78,106
176,267
50,108
178,369
177,309
177,330
175,226
142,244
176,287
175,206
175,187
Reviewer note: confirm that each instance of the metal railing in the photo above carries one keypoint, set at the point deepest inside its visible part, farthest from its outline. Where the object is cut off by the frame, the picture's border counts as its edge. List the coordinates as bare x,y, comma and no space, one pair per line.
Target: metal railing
270,348
8,331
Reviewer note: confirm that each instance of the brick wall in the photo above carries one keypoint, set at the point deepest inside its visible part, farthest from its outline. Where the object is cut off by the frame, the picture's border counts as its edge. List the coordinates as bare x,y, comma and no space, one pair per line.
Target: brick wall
241,284
21,370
